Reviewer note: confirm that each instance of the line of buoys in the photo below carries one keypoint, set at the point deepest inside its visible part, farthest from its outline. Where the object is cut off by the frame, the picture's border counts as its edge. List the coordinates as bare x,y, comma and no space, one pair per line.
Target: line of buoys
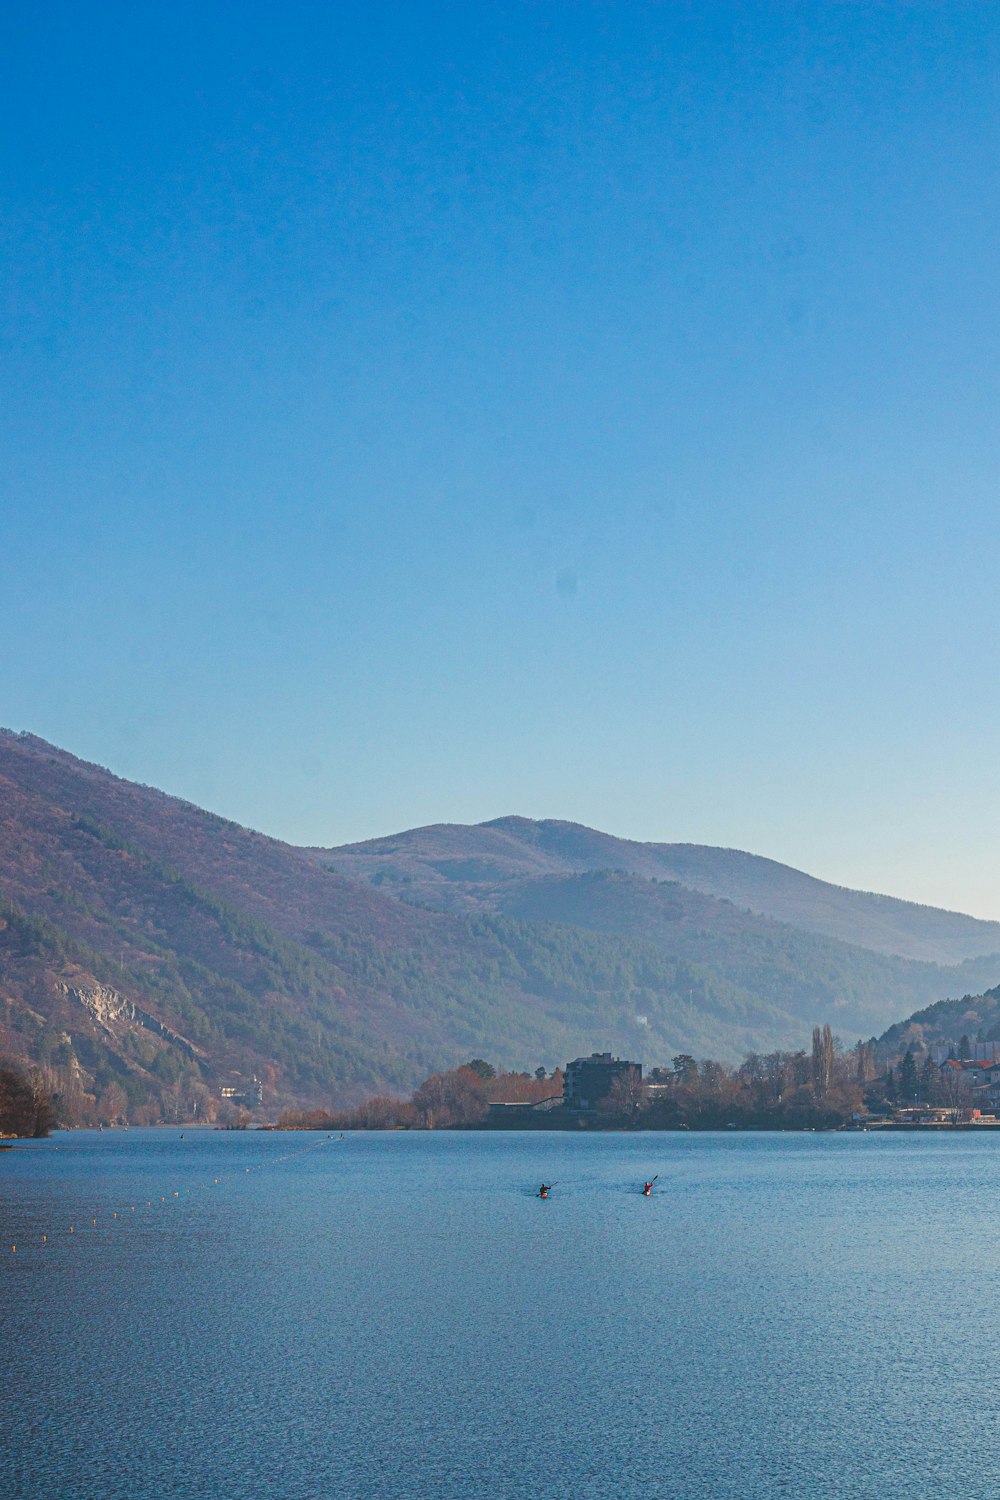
215,1181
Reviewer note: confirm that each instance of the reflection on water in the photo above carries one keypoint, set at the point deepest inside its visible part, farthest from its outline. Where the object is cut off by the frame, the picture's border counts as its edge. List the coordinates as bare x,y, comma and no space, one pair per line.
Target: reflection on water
401,1316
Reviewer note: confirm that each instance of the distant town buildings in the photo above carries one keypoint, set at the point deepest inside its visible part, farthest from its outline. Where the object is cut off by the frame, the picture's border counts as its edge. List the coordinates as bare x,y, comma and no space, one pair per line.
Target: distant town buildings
588,1080
505,1112
982,1076
977,1051
247,1095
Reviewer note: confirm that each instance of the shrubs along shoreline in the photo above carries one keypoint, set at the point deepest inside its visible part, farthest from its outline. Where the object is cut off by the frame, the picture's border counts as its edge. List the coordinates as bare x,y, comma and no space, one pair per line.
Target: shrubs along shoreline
25,1107
827,1088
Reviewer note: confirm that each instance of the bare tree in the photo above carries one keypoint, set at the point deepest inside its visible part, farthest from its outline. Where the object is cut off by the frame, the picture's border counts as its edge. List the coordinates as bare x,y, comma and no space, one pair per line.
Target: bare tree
864,1063
955,1091
455,1098
823,1052
113,1103
626,1096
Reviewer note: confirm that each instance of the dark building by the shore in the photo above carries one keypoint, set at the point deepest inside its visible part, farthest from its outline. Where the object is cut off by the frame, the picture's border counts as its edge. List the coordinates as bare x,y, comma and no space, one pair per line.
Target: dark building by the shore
588,1080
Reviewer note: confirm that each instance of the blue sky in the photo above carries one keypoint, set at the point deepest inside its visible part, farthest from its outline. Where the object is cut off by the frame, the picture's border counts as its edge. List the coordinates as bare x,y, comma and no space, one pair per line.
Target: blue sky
417,413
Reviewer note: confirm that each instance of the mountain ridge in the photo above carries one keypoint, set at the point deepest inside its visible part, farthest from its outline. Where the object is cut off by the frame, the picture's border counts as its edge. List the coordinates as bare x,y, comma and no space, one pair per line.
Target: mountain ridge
443,862
155,952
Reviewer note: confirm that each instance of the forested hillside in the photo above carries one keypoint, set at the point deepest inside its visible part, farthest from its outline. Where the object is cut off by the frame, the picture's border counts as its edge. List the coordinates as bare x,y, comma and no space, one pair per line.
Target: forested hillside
152,951
156,959
804,974
942,1025
453,865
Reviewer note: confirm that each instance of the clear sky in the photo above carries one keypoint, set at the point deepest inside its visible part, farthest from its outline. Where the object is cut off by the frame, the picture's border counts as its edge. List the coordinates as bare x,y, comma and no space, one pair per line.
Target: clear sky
417,412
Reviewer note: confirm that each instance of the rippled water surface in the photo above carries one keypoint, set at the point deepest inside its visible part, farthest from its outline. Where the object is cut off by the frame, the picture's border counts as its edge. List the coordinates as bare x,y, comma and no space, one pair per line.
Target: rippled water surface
397,1315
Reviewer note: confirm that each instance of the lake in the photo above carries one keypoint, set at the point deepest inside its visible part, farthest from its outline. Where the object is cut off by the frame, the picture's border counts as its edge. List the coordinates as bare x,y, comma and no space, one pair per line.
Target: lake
397,1315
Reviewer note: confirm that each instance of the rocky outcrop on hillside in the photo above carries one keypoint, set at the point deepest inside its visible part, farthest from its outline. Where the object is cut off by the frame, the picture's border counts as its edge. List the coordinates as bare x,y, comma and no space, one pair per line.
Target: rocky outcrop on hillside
112,1011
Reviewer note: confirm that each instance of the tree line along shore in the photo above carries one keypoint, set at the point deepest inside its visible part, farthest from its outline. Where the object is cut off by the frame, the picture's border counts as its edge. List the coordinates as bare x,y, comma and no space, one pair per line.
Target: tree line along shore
827,1087
25,1106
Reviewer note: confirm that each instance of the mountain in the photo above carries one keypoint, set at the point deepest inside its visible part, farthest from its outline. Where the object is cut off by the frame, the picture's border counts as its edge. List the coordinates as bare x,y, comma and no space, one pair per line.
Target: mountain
150,947
154,955
803,973
507,866
459,866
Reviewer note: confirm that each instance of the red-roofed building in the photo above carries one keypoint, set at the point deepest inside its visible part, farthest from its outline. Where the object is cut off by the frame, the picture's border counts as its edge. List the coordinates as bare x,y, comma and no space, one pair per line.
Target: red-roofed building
983,1076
